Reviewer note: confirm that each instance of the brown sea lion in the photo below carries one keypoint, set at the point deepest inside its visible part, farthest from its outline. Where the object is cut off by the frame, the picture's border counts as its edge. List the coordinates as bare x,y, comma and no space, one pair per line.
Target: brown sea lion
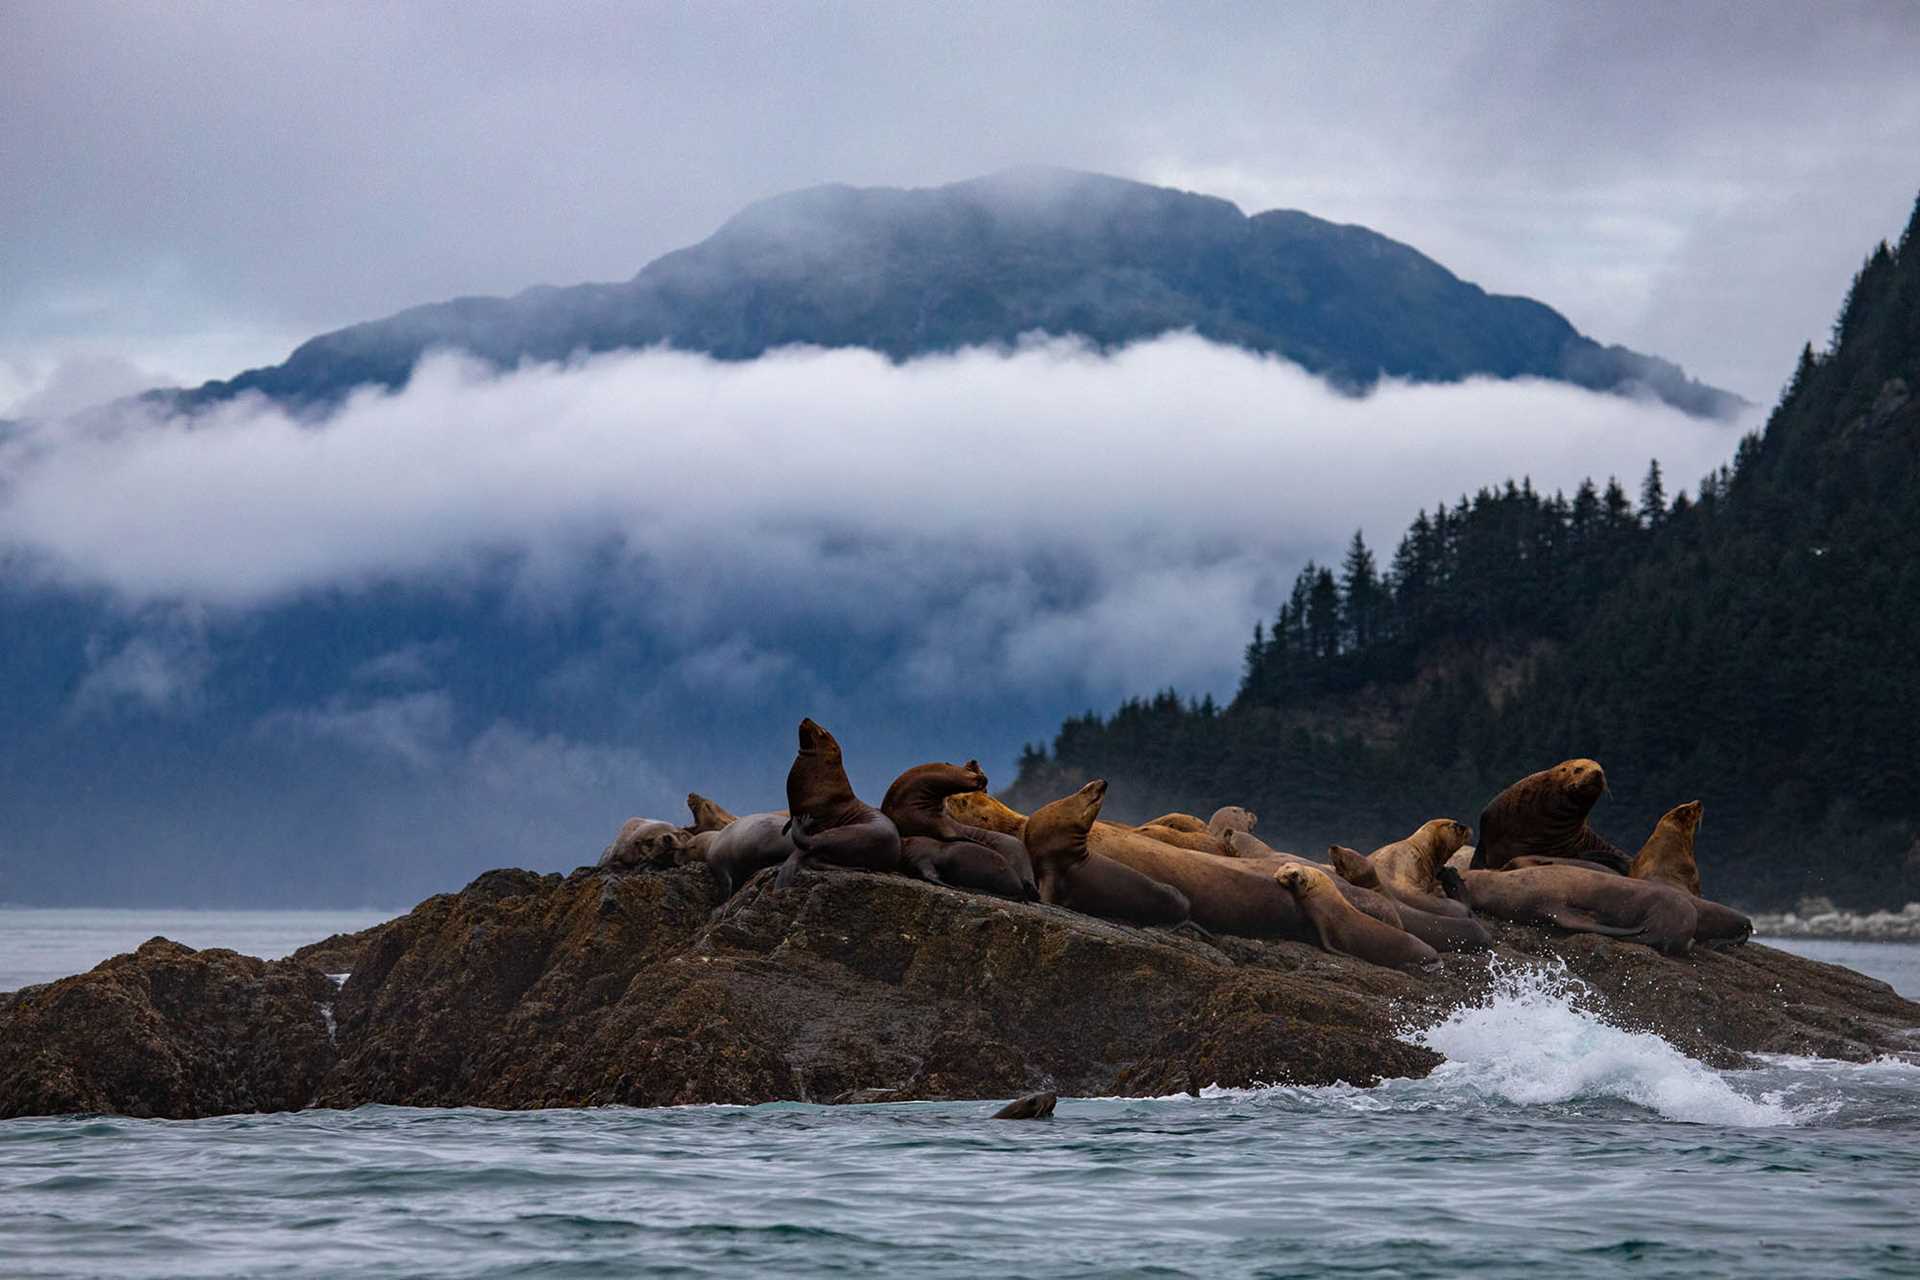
1582,901
965,864
1342,929
1719,925
1532,860
1462,857
707,816
1198,841
829,822
1232,817
643,842
1071,875
917,805
1409,869
1667,856
1441,923
1035,1106
1545,814
1178,821
1222,895
746,845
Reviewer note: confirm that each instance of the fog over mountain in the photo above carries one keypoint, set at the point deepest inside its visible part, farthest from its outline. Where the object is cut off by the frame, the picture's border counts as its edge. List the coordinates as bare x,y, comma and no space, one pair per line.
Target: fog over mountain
482,619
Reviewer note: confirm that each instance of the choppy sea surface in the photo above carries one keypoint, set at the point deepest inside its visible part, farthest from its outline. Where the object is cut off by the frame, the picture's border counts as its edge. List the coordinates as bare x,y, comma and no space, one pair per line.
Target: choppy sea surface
1548,1143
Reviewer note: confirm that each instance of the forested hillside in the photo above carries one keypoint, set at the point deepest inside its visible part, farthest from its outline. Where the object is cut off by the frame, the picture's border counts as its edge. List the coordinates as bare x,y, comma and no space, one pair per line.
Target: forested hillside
1751,645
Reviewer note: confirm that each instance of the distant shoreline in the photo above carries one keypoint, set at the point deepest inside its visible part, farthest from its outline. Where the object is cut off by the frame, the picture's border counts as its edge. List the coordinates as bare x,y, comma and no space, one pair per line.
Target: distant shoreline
1842,926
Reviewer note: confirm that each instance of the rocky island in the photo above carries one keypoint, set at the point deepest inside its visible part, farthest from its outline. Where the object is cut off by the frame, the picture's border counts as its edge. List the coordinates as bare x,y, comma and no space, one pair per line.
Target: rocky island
648,987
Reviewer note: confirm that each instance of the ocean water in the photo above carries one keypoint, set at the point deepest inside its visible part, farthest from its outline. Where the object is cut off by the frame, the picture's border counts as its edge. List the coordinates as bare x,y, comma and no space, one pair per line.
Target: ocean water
1549,1142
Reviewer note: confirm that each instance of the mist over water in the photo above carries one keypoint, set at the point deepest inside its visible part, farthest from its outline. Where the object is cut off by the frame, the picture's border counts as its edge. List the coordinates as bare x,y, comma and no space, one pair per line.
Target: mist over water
1548,1140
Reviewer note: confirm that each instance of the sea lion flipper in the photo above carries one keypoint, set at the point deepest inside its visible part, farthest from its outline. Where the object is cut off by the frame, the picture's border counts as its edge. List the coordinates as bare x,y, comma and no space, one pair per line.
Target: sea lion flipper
1455,885
789,870
1582,922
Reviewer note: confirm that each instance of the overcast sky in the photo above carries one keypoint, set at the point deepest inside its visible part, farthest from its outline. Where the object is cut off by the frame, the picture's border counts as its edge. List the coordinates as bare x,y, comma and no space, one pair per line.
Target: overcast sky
189,189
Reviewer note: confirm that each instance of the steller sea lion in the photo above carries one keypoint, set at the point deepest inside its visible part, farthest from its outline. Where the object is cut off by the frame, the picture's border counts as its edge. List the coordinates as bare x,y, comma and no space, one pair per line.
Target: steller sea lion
643,842
1545,815
746,845
1409,869
1198,841
1178,821
1344,930
1450,929
1071,875
1232,817
1533,861
965,864
707,816
829,822
916,804
1582,901
1667,856
1719,925
1035,1106
1223,896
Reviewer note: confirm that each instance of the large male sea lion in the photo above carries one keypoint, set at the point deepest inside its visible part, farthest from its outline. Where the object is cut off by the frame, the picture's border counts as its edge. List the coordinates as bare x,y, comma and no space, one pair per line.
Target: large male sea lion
1667,856
829,822
1545,815
1341,928
1583,901
1071,875
1223,895
939,848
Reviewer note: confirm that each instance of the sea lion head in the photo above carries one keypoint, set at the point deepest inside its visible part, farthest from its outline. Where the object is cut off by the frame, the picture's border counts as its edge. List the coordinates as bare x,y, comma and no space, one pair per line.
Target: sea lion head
1443,838
1353,866
1582,779
1303,881
1060,829
815,740
979,775
1233,817
1685,816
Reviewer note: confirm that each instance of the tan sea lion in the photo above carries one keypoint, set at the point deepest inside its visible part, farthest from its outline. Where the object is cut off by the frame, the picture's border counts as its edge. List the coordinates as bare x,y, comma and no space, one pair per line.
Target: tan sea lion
643,842
746,845
1071,875
1452,928
707,816
1178,821
1198,841
1222,895
1342,929
1462,857
1409,869
1667,856
1582,901
829,822
916,804
1545,815
1231,817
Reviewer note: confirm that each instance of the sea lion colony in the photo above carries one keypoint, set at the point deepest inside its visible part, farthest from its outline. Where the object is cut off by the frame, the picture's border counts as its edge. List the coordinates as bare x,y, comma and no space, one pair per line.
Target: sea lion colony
1539,861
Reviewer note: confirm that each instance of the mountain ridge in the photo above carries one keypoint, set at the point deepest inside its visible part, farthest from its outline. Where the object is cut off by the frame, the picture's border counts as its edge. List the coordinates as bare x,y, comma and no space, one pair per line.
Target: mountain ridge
915,271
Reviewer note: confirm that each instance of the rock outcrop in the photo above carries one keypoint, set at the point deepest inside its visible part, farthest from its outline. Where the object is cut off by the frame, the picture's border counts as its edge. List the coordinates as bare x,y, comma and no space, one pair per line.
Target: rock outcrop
646,988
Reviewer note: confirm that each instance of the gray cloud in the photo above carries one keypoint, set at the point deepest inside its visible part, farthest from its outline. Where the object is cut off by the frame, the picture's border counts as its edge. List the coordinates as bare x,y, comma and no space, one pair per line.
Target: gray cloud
1698,183
1009,519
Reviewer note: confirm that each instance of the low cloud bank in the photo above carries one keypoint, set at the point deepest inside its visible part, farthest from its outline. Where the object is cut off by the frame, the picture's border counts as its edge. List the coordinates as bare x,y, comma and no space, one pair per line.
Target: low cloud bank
1010,518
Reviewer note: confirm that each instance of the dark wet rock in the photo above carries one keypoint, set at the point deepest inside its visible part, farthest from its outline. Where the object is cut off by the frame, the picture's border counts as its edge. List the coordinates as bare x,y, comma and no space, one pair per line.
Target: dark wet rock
646,988
339,953
167,1031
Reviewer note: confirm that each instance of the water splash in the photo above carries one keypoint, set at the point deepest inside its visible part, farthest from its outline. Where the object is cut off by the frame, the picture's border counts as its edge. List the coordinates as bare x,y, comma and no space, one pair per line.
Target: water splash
1528,1044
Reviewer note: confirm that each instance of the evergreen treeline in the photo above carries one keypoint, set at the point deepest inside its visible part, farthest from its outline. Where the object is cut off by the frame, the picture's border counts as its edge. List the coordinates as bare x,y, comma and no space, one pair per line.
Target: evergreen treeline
1753,647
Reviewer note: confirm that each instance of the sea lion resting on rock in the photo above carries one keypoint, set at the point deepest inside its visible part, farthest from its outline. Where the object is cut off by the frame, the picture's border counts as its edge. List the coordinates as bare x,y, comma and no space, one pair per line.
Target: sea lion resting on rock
1342,929
829,822
643,842
1223,895
747,845
1545,815
1409,869
939,849
1452,930
1180,838
1071,875
1178,821
1231,817
1667,856
1583,901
